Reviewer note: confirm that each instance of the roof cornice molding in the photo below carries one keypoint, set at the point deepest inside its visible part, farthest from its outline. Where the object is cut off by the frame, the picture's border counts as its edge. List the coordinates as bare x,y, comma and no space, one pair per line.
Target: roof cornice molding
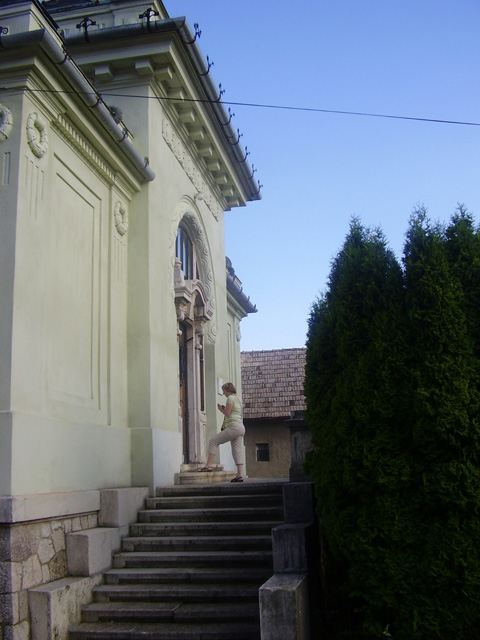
167,52
52,46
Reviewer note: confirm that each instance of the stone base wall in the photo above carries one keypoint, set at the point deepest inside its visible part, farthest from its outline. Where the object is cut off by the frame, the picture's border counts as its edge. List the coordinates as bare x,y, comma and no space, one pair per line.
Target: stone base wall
34,550
32,554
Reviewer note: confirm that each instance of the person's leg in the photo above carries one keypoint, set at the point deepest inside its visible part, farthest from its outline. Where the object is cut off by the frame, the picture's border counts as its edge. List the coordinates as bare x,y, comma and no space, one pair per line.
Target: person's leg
237,447
217,440
208,466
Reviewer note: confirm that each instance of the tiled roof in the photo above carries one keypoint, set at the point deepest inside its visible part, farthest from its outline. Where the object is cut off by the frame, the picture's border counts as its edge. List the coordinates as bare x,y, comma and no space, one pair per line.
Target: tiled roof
272,383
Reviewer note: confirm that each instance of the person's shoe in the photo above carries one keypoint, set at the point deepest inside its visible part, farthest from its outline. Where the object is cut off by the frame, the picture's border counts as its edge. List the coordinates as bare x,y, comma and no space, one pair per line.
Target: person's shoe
239,479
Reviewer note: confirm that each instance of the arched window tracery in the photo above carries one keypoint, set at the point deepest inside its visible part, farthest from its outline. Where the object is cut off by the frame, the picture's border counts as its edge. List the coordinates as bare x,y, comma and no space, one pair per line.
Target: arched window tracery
185,252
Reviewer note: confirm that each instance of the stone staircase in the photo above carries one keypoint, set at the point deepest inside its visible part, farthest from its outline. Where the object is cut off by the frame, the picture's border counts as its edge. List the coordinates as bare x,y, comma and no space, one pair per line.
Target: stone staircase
191,567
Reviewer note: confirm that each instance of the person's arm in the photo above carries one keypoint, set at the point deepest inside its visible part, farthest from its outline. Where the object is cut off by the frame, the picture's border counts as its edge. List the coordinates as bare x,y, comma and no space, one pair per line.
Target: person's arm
225,409
228,408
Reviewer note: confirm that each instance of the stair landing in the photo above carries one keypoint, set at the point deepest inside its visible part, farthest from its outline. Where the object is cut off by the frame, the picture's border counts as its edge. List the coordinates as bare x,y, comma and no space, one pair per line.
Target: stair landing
190,474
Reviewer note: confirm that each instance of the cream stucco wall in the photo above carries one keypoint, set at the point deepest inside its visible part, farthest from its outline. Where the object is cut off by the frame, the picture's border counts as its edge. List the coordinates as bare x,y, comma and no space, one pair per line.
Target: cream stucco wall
65,393
89,315
89,362
153,347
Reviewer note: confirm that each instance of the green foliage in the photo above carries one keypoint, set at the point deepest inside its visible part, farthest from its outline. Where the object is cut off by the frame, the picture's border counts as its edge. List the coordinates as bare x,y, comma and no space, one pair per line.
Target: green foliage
392,387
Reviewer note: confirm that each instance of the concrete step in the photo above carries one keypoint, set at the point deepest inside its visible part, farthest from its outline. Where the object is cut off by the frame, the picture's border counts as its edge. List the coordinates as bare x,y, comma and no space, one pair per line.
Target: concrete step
245,488
213,501
255,575
194,543
166,631
195,478
170,611
237,528
191,567
176,592
130,611
193,559
226,514
218,611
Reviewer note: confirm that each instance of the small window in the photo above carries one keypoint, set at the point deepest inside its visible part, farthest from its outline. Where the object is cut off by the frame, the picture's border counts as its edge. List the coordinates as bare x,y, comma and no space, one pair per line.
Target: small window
263,452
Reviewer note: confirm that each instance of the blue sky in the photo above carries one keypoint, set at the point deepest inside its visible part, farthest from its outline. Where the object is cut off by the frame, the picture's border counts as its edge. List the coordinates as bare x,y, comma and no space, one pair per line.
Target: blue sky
412,58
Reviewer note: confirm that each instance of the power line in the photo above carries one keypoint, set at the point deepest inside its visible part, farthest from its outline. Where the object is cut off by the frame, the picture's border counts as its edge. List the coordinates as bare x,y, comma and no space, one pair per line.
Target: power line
258,105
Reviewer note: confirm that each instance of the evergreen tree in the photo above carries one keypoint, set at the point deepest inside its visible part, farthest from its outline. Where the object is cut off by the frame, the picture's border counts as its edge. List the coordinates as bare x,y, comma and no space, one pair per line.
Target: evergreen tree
392,388
355,365
445,541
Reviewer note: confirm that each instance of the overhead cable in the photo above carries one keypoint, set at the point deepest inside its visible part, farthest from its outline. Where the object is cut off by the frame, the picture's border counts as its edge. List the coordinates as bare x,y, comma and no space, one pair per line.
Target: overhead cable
258,105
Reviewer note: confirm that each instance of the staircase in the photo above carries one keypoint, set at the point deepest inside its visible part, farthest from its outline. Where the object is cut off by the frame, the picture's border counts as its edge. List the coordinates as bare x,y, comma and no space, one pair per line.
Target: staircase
191,567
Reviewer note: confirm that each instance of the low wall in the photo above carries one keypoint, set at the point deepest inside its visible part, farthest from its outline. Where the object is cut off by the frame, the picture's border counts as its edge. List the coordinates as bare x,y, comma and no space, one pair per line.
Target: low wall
38,533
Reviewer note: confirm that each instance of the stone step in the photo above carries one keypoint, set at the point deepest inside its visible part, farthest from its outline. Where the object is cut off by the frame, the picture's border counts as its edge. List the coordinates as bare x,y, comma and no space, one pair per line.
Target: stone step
129,611
256,575
245,488
193,559
195,478
166,631
193,543
209,612
191,568
213,501
203,528
176,592
230,514
170,612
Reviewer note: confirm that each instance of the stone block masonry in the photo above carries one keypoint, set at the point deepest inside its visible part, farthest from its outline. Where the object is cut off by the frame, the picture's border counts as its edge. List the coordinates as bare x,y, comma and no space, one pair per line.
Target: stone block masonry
38,595
32,554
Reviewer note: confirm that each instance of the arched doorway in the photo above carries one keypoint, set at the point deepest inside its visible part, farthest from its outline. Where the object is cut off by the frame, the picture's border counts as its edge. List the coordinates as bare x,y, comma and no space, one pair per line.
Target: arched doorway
193,312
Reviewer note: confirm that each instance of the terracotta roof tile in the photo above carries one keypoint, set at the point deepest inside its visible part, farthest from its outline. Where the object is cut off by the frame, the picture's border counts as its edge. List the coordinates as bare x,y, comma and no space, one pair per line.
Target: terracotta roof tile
272,383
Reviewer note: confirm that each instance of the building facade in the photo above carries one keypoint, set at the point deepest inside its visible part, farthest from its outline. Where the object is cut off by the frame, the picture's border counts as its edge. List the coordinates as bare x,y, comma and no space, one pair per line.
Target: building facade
119,320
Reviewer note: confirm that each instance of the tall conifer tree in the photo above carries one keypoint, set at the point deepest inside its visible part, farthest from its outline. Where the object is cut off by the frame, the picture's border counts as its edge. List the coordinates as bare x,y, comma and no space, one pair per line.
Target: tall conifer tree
392,387
354,373
444,421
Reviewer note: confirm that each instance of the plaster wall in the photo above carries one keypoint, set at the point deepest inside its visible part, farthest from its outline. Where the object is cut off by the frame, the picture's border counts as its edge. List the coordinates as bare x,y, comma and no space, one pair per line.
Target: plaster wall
9,166
277,435
153,346
63,310
89,329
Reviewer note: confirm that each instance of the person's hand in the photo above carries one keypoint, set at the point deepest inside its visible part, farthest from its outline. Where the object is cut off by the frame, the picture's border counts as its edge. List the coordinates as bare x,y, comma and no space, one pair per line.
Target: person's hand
221,407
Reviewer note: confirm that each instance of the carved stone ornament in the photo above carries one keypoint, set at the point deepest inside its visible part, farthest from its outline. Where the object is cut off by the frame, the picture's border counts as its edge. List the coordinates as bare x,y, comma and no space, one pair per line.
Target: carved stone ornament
186,212
184,158
6,122
120,216
37,135
212,333
191,300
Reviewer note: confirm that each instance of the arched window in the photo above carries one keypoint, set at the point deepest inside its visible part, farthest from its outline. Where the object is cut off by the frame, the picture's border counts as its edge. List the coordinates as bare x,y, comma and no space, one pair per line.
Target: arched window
185,252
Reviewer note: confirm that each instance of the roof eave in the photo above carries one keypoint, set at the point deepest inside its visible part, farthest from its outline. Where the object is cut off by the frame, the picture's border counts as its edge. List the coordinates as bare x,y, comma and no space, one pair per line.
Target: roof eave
53,47
213,96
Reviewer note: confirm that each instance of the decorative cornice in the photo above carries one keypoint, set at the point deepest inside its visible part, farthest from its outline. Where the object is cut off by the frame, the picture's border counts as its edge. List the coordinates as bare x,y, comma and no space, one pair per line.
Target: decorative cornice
82,146
185,159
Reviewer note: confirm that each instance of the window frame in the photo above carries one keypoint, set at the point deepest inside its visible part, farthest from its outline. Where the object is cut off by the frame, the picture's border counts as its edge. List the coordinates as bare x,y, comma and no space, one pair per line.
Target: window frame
262,448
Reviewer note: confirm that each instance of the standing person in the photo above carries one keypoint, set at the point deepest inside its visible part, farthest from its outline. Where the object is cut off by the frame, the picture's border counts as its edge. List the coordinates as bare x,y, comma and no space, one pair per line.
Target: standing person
232,431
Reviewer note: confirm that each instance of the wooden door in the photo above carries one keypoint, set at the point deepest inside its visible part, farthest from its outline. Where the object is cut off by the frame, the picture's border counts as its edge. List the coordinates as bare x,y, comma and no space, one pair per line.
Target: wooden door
183,381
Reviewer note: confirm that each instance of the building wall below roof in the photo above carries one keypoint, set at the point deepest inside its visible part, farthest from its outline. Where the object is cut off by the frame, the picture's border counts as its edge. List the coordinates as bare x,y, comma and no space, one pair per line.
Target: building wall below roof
277,435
